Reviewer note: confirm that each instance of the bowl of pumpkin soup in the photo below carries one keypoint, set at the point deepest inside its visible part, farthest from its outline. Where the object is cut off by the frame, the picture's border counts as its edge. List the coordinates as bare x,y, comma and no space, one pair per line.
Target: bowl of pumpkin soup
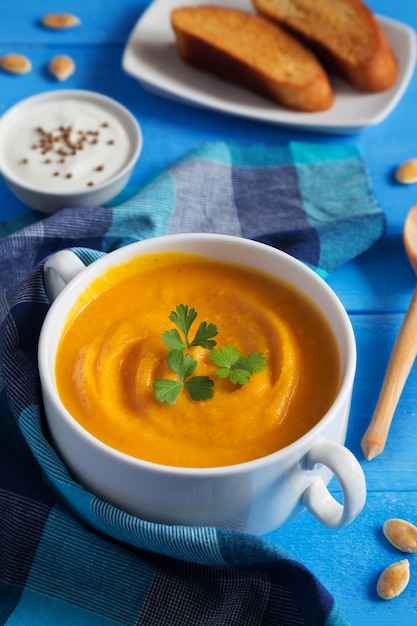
201,379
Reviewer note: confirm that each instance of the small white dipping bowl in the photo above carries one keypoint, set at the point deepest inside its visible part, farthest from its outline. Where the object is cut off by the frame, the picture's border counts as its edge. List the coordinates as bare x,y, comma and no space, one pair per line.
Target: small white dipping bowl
68,148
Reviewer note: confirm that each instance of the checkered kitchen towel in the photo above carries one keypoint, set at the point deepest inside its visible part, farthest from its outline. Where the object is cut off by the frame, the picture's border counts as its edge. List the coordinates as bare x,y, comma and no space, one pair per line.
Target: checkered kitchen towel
69,558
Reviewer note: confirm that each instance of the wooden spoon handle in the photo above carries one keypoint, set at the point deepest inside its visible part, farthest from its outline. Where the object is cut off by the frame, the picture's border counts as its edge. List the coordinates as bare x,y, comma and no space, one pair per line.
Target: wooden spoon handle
399,366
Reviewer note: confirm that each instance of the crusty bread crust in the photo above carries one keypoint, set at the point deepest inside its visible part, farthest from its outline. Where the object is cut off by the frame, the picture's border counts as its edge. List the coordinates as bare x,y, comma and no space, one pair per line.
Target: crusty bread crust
253,53
344,34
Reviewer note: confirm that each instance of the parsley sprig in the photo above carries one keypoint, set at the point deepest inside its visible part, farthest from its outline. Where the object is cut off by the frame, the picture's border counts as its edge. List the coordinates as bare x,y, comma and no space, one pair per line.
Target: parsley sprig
183,317
238,368
228,359
199,387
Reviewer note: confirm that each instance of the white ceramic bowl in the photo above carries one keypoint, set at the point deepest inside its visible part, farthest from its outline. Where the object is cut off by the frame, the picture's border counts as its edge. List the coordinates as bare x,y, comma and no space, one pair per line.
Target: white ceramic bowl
256,496
19,152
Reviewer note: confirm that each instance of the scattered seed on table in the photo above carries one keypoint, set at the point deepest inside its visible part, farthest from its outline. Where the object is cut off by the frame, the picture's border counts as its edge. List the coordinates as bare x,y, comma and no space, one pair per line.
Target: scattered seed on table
15,63
59,21
406,173
393,580
62,67
401,534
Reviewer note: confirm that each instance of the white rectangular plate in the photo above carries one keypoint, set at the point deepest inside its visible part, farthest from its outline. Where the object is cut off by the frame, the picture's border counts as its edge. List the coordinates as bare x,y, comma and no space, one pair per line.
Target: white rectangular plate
151,57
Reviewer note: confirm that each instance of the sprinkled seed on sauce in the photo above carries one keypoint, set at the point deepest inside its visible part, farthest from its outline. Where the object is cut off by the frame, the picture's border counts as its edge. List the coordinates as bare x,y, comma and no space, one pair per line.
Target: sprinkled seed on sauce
51,134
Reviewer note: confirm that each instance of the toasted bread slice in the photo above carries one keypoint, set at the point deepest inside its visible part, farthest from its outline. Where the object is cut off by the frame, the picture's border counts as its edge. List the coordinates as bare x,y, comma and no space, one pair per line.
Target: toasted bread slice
253,53
344,34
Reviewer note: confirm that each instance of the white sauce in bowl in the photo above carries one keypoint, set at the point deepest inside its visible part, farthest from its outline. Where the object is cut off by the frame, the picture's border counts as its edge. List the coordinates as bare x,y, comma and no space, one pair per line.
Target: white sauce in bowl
65,145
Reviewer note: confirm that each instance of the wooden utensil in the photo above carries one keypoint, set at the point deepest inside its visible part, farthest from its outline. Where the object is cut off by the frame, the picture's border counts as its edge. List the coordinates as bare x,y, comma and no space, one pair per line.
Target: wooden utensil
401,360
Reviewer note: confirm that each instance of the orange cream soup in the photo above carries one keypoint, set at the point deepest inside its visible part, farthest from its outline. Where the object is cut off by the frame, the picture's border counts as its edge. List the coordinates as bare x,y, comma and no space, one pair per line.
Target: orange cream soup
111,352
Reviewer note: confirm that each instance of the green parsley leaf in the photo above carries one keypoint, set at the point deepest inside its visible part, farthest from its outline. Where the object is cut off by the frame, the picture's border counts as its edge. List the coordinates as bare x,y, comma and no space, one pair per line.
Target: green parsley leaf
182,365
183,317
226,357
167,390
253,362
200,387
173,339
231,363
203,336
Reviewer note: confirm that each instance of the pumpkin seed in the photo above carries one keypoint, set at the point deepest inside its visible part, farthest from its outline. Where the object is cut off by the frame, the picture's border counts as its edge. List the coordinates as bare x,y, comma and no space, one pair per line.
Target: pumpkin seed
15,63
407,172
59,21
62,66
401,534
393,580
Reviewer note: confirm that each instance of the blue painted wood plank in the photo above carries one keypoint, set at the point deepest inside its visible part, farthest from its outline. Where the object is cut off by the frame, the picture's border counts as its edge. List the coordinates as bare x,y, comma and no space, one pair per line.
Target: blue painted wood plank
349,561
102,22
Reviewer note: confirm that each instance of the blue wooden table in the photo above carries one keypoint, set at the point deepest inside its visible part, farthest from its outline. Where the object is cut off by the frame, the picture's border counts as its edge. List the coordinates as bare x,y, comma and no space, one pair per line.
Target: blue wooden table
375,288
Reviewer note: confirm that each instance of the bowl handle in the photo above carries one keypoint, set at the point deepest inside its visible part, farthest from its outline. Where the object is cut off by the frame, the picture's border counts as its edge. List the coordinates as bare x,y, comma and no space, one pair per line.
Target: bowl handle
317,498
58,270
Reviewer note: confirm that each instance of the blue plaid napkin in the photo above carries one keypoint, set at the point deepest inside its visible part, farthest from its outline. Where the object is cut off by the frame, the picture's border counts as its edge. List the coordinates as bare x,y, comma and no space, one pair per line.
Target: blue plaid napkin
67,557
